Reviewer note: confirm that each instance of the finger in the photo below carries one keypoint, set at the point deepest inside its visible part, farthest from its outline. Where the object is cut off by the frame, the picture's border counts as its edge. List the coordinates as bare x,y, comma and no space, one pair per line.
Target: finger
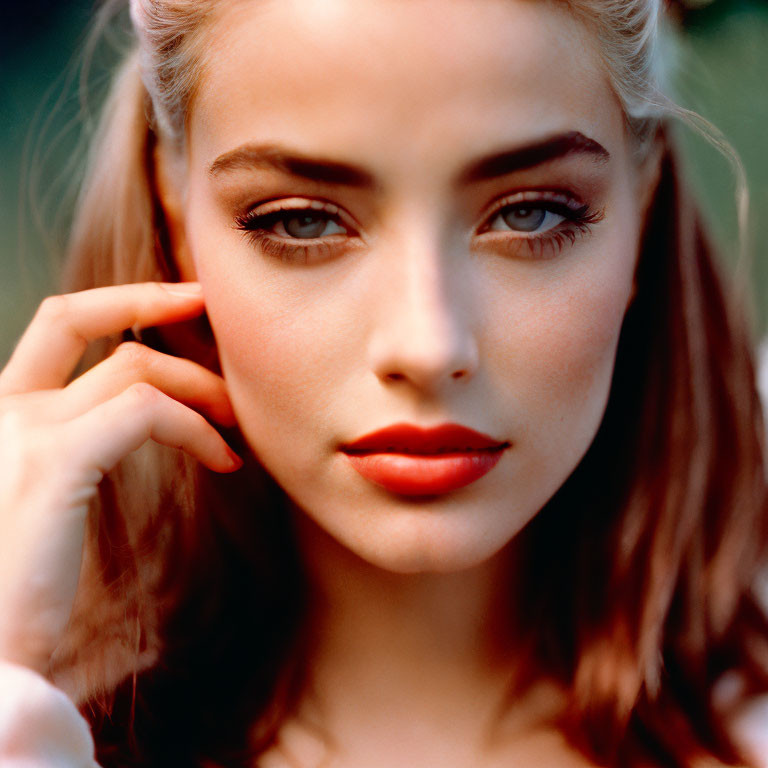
56,338
131,363
113,429
42,406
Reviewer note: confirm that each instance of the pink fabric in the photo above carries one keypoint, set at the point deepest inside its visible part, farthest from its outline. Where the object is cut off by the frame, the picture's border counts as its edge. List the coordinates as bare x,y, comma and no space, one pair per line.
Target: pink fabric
751,727
40,727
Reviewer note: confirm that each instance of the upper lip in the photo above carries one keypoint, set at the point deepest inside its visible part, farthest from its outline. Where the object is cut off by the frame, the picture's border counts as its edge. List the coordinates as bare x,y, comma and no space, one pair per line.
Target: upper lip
408,438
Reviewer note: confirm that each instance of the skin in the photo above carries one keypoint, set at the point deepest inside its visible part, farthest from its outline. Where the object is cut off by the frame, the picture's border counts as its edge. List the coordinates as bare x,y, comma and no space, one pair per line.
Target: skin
420,307
57,441
376,330
410,312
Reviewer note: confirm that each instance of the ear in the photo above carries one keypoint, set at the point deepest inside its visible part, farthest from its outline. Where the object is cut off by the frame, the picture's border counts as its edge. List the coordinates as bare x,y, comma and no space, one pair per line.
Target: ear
192,339
170,181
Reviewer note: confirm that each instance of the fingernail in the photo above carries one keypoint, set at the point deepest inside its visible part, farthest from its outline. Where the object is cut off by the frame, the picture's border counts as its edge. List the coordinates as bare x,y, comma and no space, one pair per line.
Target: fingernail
234,460
186,290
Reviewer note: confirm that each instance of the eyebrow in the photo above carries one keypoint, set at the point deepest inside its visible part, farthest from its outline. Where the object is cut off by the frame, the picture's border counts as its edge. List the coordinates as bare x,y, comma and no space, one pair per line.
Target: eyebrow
275,157
531,155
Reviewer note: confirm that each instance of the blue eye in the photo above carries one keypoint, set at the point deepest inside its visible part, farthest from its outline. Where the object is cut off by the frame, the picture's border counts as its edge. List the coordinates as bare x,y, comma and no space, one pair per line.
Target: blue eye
292,223
525,218
306,225
536,226
302,234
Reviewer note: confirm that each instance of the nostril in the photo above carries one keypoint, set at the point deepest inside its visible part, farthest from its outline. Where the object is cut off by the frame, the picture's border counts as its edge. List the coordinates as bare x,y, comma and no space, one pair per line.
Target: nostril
400,376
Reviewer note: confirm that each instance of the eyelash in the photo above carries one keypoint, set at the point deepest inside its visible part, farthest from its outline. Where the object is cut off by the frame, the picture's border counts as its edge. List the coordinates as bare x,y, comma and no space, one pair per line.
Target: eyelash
577,221
256,227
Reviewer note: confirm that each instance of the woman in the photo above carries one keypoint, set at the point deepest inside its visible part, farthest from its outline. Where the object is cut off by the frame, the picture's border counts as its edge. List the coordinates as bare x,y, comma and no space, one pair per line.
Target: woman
492,490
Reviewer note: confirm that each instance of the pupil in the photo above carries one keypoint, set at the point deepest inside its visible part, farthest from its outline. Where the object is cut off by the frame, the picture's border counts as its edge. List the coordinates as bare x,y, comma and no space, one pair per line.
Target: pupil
305,226
524,219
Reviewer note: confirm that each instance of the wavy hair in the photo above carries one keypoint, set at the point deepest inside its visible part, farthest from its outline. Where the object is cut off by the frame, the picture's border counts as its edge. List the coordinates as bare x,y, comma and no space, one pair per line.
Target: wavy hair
186,646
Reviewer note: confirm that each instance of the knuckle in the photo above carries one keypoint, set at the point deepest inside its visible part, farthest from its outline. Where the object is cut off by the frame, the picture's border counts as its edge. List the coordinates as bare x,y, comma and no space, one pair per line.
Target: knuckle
198,421
134,355
12,421
145,395
53,308
26,451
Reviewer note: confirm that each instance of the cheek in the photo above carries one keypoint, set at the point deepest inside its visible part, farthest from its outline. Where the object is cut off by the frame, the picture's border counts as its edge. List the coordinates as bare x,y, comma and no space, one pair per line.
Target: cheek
285,353
557,361
572,338
269,356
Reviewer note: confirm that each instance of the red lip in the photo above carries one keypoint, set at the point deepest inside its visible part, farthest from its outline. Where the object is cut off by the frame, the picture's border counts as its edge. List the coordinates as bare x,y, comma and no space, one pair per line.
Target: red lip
416,461
406,438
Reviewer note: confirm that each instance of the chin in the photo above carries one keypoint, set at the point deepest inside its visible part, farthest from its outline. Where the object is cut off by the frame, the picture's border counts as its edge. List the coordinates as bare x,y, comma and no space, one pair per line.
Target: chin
422,560
415,539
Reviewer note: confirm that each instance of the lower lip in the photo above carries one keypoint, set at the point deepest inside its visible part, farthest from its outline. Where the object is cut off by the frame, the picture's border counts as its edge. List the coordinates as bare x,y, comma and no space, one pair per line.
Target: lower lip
420,475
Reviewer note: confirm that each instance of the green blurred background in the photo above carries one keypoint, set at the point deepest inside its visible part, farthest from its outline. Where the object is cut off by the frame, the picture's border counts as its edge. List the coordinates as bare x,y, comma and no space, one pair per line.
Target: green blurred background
719,62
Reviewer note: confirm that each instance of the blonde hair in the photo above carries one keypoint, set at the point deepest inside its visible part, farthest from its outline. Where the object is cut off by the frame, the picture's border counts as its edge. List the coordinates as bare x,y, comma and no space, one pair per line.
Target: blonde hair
651,580
171,60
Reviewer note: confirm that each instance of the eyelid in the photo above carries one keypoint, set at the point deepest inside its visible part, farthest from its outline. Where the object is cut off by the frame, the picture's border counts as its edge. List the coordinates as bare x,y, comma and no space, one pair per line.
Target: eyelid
298,204
530,196
577,216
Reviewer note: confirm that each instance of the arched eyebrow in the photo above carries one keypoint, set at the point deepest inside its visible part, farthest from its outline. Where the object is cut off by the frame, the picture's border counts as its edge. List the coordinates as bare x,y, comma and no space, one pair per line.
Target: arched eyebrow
292,163
278,158
531,155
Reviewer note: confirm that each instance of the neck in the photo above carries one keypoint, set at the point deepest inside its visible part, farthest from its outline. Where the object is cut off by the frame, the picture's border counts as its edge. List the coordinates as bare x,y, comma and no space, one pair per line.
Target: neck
412,646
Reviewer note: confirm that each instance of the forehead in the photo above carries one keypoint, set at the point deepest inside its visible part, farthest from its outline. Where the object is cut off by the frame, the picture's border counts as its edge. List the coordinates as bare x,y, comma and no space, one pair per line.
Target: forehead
375,78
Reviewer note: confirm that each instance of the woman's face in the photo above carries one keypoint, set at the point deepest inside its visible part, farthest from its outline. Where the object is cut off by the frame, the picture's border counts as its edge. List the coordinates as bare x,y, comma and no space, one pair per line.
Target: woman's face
467,256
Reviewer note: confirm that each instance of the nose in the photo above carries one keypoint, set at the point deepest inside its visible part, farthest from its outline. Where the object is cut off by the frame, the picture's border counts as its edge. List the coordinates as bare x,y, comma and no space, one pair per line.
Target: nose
423,332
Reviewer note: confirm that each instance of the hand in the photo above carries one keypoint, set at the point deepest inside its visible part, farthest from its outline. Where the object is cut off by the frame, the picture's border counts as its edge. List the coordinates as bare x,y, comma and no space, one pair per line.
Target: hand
57,441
